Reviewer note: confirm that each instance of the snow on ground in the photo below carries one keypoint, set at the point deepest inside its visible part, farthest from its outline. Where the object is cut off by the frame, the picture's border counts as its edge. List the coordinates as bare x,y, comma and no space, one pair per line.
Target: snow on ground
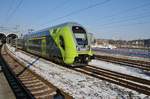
122,56
78,85
104,46
120,68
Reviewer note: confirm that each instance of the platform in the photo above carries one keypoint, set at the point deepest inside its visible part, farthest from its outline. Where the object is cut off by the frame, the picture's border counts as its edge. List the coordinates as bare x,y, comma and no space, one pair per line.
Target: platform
5,90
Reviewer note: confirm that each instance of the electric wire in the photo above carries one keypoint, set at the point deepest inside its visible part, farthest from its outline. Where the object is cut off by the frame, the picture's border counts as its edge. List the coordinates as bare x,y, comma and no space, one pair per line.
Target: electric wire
9,9
127,10
14,11
126,19
79,10
58,6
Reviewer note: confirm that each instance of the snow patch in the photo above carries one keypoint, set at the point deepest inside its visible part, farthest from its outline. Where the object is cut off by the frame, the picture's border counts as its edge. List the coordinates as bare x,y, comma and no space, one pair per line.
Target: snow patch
78,85
120,68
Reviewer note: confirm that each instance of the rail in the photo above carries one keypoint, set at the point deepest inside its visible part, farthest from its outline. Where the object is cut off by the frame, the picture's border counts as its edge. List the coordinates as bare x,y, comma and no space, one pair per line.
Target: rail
134,83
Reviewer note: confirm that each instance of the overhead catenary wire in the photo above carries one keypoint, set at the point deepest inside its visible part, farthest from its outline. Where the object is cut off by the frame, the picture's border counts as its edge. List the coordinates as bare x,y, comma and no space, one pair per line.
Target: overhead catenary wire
52,10
13,11
124,20
97,4
9,9
127,18
94,5
127,10
79,10
124,25
58,6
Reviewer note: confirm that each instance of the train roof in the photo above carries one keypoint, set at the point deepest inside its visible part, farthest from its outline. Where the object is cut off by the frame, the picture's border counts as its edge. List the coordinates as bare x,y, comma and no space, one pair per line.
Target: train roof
60,25
44,32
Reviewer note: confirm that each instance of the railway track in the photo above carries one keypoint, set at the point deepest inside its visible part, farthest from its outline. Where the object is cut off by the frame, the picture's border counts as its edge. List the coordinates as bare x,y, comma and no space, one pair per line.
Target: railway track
18,89
132,63
131,82
36,86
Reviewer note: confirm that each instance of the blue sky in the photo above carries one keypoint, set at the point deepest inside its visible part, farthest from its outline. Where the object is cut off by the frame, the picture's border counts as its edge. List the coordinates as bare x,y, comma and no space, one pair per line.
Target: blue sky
106,19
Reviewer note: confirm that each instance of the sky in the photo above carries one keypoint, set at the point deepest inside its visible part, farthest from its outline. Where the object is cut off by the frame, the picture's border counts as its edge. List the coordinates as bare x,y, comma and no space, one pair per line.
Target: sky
106,19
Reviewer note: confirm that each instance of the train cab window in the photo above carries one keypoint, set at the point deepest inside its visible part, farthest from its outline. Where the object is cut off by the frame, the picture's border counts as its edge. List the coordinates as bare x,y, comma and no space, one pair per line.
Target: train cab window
61,41
80,35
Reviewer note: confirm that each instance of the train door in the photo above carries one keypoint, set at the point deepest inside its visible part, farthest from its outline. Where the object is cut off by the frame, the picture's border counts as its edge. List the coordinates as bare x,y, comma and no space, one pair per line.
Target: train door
44,46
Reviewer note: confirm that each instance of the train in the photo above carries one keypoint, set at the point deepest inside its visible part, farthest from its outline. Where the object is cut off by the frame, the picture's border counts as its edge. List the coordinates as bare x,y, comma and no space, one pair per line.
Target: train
68,43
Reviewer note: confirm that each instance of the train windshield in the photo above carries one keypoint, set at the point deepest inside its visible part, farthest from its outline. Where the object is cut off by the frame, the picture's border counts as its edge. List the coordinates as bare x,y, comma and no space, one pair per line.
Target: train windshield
80,35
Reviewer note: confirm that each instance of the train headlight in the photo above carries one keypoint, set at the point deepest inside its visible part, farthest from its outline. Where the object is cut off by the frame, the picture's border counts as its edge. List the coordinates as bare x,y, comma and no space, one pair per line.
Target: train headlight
89,47
87,58
78,48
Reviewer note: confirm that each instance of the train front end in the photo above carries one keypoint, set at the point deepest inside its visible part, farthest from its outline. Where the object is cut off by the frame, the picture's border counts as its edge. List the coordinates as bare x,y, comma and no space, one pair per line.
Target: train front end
74,44
83,46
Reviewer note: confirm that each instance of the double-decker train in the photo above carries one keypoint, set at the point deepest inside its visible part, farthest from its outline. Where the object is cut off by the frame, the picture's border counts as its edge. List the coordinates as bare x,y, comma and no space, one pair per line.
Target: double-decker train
68,43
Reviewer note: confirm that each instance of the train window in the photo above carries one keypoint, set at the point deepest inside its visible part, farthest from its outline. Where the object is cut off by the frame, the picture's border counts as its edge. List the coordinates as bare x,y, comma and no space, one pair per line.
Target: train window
35,44
61,41
78,29
80,35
